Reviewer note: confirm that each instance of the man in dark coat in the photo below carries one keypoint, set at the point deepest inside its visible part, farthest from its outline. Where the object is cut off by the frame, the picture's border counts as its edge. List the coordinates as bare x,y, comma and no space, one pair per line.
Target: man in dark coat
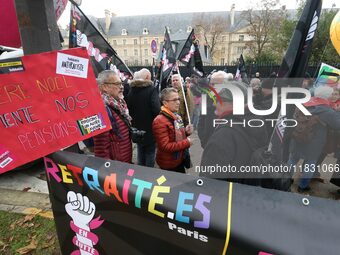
144,106
231,144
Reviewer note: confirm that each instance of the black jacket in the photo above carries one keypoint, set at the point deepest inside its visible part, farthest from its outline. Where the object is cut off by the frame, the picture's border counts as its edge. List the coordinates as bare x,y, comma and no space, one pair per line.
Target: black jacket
205,123
144,105
232,146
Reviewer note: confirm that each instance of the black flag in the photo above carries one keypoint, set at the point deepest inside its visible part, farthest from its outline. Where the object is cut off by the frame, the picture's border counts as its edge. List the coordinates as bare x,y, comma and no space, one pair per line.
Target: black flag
168,59
191,56
294,65
103,56
241,70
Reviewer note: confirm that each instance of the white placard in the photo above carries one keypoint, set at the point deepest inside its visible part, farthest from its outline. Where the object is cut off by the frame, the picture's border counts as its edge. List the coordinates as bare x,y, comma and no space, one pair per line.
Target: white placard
72,65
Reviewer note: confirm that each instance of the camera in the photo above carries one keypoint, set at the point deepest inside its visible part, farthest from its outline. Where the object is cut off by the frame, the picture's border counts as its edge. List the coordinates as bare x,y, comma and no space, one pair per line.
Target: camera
137,136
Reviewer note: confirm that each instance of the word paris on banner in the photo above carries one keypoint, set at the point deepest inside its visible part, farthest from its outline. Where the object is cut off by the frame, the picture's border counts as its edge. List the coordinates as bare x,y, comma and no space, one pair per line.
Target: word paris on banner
107,207
48,102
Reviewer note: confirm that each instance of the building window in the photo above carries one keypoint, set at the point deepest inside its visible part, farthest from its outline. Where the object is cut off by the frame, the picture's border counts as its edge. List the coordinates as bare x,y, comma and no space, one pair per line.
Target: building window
124,41
135,52
223,50
189,29
135,41
125,52
224,38
146,62
240,50
114,42
146,52
222,61
124,32
145,41
136,62
145,31
241,38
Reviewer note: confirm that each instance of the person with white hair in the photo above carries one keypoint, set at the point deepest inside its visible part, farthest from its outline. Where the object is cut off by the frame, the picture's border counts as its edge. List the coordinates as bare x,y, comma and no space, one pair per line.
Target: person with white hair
308,143
114,144
144,105
177,83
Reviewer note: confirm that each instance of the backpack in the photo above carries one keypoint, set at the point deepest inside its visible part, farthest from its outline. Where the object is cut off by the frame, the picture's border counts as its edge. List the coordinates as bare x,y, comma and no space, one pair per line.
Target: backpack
303,132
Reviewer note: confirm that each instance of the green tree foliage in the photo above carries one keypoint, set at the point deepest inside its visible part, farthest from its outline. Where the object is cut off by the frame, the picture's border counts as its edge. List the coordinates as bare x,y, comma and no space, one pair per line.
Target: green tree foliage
323,50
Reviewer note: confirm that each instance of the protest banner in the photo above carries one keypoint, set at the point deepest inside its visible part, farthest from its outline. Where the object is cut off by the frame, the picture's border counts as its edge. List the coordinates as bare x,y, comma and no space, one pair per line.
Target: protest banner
48,102
108,207
328,75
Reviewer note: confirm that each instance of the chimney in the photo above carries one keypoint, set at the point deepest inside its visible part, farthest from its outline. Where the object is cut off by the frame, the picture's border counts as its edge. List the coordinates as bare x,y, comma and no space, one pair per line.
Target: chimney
107,20
232,15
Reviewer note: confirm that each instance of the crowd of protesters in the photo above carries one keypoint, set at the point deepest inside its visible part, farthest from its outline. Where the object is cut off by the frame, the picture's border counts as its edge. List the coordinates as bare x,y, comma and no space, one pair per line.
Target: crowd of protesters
168,118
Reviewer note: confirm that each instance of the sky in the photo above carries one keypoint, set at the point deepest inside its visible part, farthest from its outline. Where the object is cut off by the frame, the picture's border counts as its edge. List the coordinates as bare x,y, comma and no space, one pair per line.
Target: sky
145,7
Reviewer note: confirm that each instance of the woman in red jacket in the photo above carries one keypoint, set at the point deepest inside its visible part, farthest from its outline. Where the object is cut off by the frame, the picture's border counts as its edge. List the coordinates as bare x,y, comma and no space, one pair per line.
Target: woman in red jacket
170,133
116,143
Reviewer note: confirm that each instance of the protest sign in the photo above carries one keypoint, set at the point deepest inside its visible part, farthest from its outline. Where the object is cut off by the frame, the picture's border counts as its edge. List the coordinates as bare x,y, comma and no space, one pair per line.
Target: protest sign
108,207
48,101
328,75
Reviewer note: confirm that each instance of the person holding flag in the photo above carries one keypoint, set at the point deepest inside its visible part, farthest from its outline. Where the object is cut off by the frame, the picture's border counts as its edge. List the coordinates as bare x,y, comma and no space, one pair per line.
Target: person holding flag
171,135
176,81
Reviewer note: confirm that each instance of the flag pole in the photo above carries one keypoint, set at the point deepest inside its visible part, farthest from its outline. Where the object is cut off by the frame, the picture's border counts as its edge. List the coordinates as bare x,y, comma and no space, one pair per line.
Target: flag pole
95,29
184,97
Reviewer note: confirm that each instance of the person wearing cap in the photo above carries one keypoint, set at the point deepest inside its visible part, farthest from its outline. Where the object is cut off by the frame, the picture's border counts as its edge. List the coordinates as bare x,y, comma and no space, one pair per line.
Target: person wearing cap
232,144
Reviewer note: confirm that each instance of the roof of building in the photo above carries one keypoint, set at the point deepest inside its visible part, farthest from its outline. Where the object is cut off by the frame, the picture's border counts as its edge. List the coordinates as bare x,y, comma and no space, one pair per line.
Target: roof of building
156,23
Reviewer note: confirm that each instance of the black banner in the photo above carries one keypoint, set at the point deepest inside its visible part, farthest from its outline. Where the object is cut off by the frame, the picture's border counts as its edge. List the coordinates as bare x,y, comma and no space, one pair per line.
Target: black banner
241,70
294,65
168,59
103,56
107,207
191,56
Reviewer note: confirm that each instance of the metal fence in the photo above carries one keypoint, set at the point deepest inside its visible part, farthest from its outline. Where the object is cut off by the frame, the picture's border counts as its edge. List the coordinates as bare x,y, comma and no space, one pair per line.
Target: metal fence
264,69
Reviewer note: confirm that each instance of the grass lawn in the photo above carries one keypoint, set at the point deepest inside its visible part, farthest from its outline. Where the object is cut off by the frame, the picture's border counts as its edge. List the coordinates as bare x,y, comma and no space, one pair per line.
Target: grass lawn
27,234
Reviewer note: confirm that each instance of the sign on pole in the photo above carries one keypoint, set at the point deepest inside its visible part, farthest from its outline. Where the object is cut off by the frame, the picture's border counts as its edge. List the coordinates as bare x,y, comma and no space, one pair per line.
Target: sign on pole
153,48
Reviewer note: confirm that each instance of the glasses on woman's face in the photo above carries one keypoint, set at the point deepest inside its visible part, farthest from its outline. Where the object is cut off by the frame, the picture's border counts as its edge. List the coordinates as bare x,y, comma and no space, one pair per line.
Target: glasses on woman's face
174,100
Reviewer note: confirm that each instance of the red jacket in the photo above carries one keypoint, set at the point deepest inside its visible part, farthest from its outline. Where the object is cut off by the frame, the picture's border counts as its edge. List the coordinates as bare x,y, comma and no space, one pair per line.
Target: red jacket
111,146
169,151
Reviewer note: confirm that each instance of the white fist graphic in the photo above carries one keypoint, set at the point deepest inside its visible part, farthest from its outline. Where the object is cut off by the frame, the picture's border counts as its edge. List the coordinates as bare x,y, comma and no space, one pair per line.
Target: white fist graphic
80,209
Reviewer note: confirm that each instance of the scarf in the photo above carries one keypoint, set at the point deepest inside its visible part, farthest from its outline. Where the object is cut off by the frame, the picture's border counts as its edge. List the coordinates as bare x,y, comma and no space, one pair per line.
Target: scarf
119,106
177,122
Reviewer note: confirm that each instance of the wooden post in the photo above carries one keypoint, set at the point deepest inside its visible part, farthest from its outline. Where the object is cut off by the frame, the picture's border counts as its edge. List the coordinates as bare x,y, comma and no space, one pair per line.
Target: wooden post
38,26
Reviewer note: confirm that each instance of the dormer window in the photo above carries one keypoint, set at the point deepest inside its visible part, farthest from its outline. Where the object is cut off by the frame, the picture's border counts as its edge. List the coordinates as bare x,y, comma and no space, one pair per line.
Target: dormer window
124,32
189,29
145,31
